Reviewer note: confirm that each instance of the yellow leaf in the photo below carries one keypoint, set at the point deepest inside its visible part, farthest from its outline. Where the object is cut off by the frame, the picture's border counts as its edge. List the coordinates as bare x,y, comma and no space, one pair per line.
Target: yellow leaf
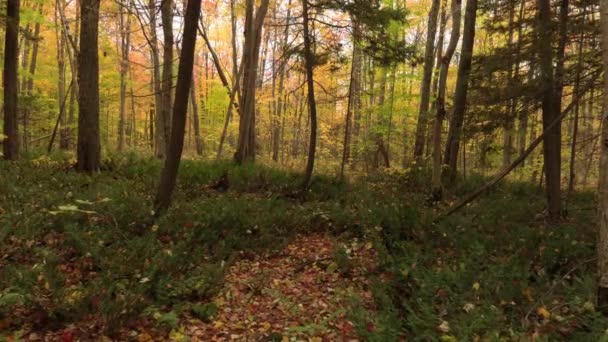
543,312
218,324
265,326
476,286
178,336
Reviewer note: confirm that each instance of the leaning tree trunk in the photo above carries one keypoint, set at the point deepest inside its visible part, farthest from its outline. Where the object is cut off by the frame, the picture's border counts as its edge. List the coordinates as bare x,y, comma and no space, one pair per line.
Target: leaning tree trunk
425,86
460,94
10,145
182,92
89,148
552,141
312,106
602,244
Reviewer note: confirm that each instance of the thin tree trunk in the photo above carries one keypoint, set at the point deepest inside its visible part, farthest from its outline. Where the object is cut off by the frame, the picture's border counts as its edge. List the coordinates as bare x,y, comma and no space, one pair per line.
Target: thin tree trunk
460,94
312,106
552,141
425,86
354,73
577,81
195,121
441,91
124,68
159,121
166,11
251,52
182,92
61,93
602,242
30,81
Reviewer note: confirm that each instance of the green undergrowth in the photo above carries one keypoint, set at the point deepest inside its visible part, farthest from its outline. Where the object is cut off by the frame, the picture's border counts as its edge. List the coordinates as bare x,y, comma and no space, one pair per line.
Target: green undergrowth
75,246
493,271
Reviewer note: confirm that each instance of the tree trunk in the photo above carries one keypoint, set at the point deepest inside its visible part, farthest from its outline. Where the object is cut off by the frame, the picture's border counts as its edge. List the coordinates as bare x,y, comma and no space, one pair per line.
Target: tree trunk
195,120
577,81
312,106
29,88
61,92
166,11
251,53
89,148
602,243
552,141
182,92
124,68
159,121
441,91
460,94
354,74
425,86
10,145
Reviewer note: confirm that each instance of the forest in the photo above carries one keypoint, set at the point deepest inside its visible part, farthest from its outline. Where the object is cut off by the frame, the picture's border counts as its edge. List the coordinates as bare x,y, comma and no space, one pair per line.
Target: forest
304,170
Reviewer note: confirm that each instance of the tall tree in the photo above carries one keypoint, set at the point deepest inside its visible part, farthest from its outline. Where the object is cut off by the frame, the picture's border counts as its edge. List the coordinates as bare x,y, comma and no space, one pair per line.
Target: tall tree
312,105
89,148
427,74
182,92
602,243
440,100
552,141
125,42
254,21
166,11
460,94
10,145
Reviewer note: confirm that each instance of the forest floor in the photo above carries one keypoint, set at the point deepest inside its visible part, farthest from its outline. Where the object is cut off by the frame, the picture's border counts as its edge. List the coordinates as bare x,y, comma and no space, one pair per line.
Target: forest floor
82,259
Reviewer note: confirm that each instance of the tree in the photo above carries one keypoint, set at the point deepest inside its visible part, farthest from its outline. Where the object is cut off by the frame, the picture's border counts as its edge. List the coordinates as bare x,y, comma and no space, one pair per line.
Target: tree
166,11
89,148
441,90
182,92
552,142
425,86
10,81
125,46
251,55
312,105
460,94
602,243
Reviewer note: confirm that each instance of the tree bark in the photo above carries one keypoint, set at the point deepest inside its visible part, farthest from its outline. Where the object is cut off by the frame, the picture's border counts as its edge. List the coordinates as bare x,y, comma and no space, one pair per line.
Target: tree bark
167,78
441,91
89,149
182,92
425,86
10,145
312,106
61,92
251,53
552,141
195,120
124,68
602,243
460,94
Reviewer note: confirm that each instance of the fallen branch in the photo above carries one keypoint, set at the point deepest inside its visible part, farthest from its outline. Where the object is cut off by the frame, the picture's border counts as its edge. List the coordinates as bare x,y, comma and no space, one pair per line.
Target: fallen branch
522,157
